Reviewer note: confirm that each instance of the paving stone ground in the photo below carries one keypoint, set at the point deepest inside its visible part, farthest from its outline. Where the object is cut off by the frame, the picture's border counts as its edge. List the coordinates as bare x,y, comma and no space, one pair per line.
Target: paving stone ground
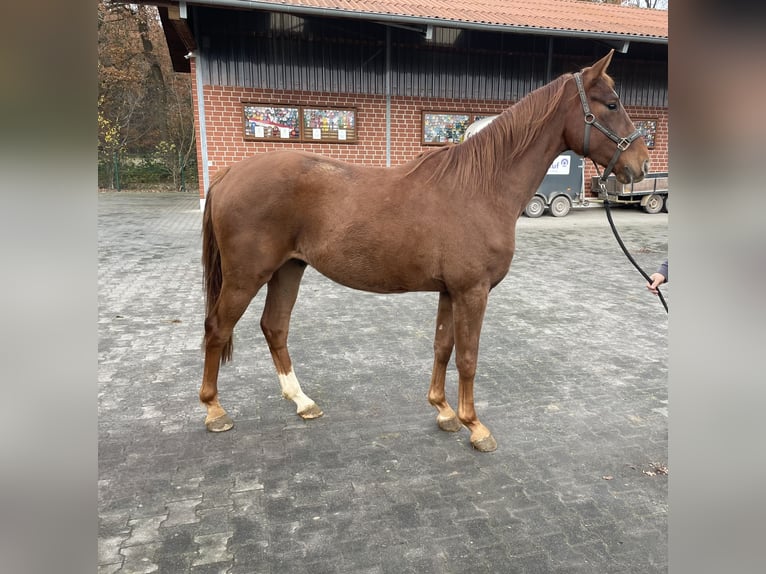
571,381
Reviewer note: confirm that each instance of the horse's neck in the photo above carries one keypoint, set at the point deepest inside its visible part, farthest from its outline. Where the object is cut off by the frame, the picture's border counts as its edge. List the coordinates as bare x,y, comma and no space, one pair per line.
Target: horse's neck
524,173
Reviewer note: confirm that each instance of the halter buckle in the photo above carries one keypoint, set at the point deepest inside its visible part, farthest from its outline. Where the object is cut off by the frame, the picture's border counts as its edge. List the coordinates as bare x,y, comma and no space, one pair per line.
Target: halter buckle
623,144
589,118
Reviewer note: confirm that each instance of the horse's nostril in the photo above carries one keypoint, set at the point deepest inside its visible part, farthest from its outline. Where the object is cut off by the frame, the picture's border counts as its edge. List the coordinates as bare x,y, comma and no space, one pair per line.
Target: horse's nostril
645,167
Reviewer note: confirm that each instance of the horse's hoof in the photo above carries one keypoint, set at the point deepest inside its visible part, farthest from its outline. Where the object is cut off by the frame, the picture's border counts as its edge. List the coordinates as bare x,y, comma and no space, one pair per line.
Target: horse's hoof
451,424
221,424
486,444
311,412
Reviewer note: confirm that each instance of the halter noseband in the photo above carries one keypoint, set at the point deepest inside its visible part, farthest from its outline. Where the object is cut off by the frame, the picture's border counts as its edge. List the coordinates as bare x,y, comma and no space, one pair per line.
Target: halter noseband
590,120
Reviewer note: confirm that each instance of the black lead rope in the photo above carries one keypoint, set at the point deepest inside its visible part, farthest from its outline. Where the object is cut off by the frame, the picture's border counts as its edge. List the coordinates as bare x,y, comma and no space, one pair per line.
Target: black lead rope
622,145
622,245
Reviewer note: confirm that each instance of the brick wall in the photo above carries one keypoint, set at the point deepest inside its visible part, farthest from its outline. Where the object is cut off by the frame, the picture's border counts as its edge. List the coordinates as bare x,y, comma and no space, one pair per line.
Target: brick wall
223,113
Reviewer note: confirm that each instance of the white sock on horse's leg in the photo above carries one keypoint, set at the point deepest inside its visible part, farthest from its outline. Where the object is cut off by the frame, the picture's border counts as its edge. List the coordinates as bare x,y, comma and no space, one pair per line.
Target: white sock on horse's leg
291,389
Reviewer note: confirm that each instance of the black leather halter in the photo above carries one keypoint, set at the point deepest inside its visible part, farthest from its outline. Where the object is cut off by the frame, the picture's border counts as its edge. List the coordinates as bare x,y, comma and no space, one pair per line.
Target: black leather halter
590,120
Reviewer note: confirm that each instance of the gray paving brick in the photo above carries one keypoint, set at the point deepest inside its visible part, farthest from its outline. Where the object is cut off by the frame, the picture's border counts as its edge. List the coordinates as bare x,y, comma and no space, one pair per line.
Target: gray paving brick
139,559
214,568
571,380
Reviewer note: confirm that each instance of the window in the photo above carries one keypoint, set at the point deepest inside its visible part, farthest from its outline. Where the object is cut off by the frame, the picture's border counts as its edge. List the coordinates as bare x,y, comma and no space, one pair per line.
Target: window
271,122
648,129
329,124
298,123
443,128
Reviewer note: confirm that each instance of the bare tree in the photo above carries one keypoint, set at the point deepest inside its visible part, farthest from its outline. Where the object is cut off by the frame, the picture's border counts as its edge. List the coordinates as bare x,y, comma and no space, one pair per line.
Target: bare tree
177,150
144,107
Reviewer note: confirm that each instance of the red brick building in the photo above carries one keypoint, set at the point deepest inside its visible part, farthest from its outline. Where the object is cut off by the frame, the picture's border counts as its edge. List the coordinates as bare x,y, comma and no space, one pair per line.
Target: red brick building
377,82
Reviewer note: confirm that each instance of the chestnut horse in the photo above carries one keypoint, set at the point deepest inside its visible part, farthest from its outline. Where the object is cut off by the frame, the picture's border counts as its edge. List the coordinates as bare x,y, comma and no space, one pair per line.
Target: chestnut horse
443,222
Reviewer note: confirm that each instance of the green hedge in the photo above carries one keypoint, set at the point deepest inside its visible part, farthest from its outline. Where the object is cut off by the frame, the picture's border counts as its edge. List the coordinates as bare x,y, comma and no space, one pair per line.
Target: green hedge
132,172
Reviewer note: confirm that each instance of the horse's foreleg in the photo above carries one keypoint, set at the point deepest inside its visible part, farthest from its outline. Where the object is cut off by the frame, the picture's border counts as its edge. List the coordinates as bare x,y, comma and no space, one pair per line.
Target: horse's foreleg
468,314
444,341
219,326
275,322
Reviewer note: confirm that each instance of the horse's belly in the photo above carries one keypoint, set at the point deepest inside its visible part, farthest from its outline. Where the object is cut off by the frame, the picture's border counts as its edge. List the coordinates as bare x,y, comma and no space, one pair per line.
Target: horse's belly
368,256
378,280
376,270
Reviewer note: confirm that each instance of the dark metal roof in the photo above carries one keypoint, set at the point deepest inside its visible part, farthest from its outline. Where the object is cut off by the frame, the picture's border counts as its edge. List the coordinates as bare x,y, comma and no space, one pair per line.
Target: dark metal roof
574,18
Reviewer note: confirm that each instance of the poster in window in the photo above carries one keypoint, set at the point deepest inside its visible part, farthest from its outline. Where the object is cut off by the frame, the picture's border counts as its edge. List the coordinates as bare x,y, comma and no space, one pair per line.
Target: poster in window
648,129
444,128
329,124
271,122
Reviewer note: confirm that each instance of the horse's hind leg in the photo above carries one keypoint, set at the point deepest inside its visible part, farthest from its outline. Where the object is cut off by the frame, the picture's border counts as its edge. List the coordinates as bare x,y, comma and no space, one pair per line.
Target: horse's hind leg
275,323
219,326
444,341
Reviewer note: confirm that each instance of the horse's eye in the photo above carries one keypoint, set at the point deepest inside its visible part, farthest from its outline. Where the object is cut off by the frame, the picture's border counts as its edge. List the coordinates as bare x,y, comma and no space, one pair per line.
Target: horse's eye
612,106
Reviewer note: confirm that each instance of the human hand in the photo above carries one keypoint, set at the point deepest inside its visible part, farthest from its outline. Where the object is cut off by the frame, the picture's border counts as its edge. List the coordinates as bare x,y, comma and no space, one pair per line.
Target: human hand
657,279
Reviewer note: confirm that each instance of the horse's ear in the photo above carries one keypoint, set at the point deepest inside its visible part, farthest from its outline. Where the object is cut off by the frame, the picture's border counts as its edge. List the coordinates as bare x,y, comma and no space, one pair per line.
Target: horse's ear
598,69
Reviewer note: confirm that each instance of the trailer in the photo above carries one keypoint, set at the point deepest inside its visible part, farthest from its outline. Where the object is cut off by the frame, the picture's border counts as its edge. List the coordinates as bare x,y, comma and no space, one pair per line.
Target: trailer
561,189
651,193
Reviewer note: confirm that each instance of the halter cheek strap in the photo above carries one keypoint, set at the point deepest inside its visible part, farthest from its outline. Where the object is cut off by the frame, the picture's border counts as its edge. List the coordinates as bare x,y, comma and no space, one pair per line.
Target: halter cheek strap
590,120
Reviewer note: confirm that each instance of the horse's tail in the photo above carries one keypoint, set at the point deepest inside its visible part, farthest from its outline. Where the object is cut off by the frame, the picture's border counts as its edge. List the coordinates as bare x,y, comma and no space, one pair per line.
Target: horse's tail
211,263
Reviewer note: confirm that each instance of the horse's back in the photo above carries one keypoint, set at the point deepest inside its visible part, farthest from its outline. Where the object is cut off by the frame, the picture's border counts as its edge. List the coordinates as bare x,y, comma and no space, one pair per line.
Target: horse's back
287,165
294,188
299,177
370,228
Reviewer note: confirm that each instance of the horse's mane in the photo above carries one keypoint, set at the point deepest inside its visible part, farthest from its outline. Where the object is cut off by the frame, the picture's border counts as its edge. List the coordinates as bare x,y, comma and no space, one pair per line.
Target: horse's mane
476,163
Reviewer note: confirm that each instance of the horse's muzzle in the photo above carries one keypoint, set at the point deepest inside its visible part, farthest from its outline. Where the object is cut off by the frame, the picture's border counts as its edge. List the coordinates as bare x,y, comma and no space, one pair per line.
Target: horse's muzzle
630,175
645,169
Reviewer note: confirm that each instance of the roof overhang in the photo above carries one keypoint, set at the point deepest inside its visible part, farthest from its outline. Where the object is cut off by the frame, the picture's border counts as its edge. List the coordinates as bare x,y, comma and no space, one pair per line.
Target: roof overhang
178,35
181,40
403,19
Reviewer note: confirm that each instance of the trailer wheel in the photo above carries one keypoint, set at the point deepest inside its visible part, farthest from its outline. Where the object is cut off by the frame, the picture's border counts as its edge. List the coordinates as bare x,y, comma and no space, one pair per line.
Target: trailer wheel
535,207
654,204
560,206
665,207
